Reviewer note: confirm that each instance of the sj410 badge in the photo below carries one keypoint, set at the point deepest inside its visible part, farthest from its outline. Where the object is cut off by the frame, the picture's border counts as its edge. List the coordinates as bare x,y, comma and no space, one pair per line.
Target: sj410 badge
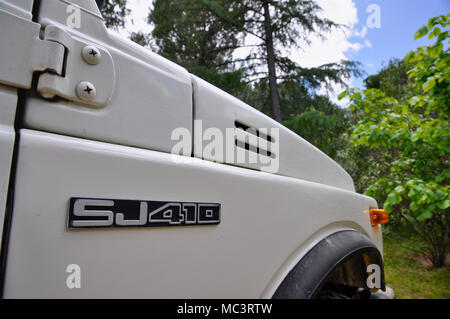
89,212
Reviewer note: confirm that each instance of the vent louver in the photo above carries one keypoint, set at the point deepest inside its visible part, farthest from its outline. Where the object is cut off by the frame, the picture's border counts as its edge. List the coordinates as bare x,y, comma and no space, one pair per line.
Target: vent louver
254,143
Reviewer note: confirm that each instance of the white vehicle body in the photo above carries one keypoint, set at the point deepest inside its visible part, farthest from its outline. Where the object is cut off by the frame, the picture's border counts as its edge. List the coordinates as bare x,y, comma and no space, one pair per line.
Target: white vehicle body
55,146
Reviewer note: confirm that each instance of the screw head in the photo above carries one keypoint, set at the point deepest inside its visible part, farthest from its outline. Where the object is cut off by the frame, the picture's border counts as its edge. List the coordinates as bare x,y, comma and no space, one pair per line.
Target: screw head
86,91
91,55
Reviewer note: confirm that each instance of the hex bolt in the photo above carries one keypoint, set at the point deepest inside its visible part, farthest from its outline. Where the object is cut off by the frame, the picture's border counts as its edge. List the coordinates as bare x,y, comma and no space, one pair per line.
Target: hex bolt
91,55
86,91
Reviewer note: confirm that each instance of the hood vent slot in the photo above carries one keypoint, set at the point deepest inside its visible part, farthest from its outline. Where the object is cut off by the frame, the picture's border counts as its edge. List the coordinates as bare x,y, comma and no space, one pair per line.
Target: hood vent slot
254,147
253,131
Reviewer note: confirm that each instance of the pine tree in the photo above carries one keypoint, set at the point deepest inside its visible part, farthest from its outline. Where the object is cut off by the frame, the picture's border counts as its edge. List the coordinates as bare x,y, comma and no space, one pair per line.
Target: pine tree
277,26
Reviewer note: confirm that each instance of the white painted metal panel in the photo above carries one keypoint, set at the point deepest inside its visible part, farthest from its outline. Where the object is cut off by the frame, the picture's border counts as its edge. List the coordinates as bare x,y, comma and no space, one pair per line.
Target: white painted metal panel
268,223
22,52
152,95
8,105
20,8
297,157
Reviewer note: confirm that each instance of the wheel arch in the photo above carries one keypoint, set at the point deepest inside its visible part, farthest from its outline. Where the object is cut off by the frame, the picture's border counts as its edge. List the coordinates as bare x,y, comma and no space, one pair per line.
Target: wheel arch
341,257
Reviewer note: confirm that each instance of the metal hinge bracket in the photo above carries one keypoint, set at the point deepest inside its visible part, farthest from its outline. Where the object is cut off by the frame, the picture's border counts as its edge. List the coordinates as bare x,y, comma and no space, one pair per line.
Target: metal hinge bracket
70,67
22,52
89,74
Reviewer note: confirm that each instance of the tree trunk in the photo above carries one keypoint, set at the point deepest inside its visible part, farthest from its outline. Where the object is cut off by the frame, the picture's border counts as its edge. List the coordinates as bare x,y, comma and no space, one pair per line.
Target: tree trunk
274,96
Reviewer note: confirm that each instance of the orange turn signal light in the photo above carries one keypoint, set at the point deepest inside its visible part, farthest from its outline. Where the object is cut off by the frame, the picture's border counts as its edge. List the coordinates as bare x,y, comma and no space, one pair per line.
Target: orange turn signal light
378,216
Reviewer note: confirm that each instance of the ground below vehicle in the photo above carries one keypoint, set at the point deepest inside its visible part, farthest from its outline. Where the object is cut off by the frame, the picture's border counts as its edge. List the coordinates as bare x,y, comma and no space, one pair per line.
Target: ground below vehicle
89,179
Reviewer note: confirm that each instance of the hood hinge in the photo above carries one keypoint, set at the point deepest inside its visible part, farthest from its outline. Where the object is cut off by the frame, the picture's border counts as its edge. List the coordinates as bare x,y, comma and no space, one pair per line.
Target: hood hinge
22,52
70,67
88,75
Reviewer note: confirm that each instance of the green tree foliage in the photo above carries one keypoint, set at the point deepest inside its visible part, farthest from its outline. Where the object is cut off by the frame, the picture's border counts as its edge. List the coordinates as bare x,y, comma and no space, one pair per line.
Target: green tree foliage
202,35
141,38
278,25
114,13
366,165
315,118
322,129
393,80
188,33
416,132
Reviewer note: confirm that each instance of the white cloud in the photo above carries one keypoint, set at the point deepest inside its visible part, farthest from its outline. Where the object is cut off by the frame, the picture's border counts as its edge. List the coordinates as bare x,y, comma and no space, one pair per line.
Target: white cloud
137,20
337,43
367,43
319,52
362,33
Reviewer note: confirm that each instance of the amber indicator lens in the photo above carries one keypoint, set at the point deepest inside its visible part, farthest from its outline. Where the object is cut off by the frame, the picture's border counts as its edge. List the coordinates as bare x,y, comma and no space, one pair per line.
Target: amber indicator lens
378,216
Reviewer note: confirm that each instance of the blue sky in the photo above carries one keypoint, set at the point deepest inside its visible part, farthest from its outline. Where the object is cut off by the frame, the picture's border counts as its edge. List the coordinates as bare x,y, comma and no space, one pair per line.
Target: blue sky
400,19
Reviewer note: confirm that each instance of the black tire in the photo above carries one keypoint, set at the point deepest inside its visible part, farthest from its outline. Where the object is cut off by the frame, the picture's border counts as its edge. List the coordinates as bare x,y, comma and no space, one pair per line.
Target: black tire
309,276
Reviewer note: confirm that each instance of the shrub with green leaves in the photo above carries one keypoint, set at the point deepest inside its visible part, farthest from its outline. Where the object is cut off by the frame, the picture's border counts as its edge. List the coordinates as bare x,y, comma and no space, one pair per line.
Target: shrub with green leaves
415,130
